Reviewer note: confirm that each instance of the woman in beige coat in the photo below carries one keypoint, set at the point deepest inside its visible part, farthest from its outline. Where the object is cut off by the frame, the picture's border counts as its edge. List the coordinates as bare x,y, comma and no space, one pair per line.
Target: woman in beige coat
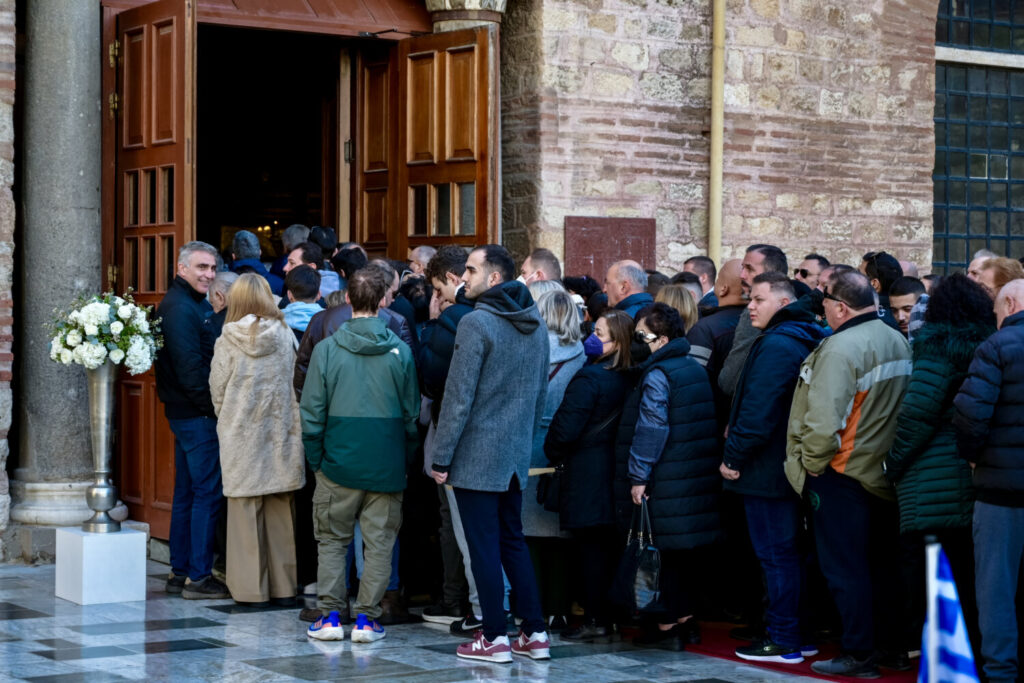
261,454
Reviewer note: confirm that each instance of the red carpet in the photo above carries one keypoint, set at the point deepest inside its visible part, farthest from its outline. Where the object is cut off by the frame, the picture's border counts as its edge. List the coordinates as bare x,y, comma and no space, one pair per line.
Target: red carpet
717,643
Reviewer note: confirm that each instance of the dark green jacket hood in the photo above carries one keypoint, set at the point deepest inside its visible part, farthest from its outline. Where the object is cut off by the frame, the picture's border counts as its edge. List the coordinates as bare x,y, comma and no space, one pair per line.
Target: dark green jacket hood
511,301
366,337
954,342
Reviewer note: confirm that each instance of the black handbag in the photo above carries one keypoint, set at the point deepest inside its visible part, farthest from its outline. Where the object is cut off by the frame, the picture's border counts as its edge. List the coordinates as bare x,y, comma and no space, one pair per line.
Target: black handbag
637,584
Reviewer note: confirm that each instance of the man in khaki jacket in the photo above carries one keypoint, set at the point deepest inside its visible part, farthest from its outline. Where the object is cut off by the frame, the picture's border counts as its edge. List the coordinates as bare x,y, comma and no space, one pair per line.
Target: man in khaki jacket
842,423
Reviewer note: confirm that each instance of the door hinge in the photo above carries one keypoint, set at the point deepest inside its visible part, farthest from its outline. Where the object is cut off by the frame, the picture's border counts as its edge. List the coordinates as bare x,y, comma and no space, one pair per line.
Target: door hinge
112,273
349,152
114,101
114,52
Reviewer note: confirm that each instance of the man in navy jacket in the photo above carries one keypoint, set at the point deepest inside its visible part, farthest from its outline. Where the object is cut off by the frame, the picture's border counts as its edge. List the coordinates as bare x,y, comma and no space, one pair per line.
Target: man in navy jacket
990,435
755,450
183,385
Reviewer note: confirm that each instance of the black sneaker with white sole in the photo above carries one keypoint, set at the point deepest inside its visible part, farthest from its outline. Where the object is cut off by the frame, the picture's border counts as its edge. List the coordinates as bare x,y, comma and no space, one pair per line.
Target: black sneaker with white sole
466,626
442,613
769,651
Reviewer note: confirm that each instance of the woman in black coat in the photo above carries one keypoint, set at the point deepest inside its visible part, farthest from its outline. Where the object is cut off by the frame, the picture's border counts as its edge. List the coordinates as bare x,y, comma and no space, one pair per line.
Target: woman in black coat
581,438
667,452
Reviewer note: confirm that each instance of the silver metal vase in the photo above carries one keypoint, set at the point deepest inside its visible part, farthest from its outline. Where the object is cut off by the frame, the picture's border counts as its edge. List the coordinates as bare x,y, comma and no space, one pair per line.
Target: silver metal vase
102,495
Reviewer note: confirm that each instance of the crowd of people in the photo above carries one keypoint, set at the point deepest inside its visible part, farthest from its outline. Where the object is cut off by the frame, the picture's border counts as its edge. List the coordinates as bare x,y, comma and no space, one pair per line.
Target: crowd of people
795,436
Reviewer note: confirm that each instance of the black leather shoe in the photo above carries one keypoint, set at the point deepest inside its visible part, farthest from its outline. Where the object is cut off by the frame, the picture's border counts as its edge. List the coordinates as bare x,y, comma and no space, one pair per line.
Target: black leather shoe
589,632
897,661
846,665
663,640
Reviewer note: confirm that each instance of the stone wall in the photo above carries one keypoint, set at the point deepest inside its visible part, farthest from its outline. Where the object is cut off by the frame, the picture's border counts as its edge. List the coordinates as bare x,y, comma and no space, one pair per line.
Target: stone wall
828,123
829,141
6,243
605,108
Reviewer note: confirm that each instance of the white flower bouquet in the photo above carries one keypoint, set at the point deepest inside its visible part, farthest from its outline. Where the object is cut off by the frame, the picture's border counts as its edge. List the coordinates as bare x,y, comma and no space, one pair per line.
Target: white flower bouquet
107,327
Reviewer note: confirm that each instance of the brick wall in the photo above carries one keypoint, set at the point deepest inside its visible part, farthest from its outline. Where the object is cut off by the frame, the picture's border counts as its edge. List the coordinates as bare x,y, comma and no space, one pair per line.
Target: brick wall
829,141
828,123
7,44
605,104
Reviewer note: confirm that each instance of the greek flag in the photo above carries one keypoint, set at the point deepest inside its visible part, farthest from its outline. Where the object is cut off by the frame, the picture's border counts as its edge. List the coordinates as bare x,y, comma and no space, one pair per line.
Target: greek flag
946,655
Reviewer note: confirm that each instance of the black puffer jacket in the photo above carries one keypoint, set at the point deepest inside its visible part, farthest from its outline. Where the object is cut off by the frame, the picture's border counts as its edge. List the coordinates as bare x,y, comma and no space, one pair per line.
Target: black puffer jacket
933,483
990,415
582,436
684,485
183,364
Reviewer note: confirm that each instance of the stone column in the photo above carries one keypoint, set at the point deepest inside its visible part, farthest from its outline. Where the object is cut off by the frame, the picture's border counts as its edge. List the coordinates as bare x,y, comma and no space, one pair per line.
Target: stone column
452,15
60,253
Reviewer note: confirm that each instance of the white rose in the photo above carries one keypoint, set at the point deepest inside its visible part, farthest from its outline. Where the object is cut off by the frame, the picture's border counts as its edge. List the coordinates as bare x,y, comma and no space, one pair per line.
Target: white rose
124,312
118,301
117,355
116,327
55,348
91,330
142,326
74,338
66,356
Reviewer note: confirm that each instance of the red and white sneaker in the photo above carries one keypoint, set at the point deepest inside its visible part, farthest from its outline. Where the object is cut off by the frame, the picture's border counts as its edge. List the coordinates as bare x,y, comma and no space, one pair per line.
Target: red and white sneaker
537,646
485,650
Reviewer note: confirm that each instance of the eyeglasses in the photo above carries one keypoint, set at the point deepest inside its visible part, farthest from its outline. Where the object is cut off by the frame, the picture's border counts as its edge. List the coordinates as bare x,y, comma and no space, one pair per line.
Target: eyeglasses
834,298
644,337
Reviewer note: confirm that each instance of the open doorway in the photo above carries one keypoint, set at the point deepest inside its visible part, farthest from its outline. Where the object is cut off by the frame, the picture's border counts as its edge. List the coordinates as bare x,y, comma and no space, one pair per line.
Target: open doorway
266,133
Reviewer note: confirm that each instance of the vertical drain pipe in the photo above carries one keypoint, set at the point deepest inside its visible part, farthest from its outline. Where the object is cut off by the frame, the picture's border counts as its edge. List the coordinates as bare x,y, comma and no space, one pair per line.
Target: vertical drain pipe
717,131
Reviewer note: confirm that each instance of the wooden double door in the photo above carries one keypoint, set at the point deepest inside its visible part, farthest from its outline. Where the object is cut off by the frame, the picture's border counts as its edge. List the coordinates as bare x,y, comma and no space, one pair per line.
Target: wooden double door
422,163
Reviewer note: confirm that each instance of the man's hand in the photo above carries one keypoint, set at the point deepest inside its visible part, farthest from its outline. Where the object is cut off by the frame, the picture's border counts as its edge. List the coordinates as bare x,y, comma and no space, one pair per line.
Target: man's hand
727,473
439,477
638,493
435,304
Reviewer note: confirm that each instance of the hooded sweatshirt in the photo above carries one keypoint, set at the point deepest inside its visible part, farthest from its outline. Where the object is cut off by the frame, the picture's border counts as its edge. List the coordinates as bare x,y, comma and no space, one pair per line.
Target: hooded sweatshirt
494,396
359,407
258,418
297,314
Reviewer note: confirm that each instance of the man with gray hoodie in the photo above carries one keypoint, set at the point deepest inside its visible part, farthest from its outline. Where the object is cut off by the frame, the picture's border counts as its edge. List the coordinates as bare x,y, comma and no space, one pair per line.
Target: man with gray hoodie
493,402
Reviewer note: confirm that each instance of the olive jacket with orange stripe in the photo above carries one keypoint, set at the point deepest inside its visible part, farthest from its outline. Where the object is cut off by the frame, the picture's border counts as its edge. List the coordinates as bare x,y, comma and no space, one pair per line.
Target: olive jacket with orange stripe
846,403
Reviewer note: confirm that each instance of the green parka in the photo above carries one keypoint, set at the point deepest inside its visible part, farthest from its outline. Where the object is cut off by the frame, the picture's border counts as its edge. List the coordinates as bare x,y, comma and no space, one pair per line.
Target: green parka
933,484
359,407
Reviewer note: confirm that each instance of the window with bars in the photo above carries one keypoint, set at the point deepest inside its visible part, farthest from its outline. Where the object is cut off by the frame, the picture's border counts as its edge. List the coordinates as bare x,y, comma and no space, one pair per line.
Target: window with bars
979,163
991,25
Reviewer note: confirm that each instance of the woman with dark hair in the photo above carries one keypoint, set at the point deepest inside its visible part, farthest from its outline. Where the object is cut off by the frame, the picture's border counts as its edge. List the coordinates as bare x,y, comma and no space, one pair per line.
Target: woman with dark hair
667,452
581,438
933,483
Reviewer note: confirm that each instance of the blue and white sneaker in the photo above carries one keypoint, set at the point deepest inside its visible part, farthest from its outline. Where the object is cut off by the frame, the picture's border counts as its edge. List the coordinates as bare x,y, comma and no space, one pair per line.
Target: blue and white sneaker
809,650
768,651
327,627
367,630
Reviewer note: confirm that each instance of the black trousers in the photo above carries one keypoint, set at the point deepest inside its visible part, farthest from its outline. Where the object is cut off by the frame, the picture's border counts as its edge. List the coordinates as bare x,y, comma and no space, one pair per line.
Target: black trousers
598,550
857,538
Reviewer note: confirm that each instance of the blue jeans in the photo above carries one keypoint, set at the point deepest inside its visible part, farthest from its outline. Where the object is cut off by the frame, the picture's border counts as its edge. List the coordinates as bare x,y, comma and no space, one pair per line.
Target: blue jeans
355,556
493,523
774,524
998,553
198,497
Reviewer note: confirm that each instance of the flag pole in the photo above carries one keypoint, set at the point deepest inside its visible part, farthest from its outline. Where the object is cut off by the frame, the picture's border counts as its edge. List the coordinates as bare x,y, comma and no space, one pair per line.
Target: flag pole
931,641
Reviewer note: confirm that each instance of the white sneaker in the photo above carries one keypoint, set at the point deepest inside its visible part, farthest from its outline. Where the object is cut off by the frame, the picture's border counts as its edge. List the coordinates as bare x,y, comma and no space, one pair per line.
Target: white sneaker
367,630
537,646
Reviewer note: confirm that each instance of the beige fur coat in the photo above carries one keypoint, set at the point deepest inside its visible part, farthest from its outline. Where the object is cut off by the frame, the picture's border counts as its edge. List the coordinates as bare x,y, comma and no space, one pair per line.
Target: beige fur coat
257,415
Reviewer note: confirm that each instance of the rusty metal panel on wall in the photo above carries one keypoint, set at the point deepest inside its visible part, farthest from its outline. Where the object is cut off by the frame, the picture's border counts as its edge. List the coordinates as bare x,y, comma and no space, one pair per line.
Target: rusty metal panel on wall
593,243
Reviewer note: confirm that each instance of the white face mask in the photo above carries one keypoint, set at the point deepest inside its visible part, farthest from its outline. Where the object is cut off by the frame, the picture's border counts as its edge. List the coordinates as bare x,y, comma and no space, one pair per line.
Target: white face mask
522,279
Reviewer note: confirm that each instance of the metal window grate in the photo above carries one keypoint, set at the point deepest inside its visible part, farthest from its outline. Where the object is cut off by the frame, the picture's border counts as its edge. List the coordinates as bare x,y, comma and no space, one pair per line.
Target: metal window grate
979,163
994,25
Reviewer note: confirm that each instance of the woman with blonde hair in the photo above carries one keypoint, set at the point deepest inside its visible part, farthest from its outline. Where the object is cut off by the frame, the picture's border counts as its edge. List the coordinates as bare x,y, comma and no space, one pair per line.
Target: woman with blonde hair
261,455
680,299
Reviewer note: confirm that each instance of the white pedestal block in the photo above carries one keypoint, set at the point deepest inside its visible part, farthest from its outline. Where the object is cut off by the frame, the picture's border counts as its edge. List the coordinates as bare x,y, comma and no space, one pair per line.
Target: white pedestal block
97,568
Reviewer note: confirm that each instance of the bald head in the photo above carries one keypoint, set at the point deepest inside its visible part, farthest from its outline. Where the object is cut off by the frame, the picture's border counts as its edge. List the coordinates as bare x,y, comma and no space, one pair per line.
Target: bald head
909,268
624,279
1009,301
729,285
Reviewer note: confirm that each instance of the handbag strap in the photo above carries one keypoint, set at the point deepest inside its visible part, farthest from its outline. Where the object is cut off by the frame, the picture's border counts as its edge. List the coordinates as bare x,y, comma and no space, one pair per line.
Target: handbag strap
604,423
645,521
554,372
